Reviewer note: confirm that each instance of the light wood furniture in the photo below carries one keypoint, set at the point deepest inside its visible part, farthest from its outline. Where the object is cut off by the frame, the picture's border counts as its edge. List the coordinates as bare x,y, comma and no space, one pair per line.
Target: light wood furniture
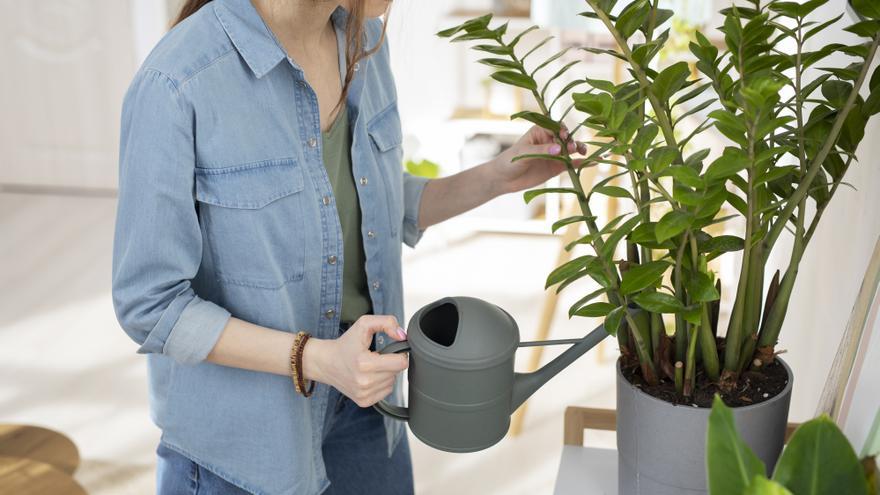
36,461
39,444
29,477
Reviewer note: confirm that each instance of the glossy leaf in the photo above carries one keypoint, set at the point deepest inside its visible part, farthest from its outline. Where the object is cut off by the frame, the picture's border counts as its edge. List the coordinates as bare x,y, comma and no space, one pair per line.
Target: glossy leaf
568,269
731,463
658,302
642,276
760,485
819,460
670,80
867,8
539,119
534,193
595,310
672,224
584,300
515,79
613,319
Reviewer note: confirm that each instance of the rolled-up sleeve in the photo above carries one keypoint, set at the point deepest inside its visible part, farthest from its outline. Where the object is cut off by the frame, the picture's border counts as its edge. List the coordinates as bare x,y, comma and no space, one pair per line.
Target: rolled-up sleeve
413,186
157,246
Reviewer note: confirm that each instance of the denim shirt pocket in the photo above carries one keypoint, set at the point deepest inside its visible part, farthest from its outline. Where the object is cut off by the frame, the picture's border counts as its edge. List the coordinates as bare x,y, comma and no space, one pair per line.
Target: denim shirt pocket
253,219
387,138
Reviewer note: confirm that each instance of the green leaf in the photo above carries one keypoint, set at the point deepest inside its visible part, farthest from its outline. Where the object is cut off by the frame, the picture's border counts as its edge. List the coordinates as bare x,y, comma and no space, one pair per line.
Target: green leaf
661,158
534,193
865,29
539,119
643,140
631,18
613,319
760,485
595,310
670,80
820,460
515,79
568,269
612,191
731,464
673,223
867,8
643,276
494,49
618,234
685,175
471,25
569,220
731,162
518,37
593,104
584,300
722,244
500,63
836,92
658,302
701,288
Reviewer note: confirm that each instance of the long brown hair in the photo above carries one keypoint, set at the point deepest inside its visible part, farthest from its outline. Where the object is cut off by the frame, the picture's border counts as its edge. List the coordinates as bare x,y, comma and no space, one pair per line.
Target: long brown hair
354,37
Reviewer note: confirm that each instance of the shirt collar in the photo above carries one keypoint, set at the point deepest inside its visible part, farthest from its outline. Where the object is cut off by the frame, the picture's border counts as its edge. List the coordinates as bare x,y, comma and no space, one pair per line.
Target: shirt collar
252,38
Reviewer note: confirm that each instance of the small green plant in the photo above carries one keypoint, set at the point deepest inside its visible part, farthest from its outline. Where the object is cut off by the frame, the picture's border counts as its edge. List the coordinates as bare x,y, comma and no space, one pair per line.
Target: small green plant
424,168
792,123
818,460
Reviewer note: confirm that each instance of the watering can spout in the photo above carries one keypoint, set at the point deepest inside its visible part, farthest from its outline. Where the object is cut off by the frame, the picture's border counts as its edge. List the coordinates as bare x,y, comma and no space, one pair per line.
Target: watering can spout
525,384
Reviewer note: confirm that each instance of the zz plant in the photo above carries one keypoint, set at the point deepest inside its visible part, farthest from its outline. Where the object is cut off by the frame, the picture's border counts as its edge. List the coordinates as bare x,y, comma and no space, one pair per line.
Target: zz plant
792,122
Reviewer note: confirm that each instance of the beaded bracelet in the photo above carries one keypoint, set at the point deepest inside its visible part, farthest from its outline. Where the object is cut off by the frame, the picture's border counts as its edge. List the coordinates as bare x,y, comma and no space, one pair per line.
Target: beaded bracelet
296,372
301,386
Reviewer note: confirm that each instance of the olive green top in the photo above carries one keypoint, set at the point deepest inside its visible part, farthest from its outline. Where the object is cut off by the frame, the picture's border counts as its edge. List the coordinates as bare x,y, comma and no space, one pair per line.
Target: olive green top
337,160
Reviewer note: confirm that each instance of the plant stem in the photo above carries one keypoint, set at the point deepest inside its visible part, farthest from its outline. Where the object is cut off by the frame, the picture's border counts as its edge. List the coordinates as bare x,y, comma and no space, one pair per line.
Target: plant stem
816,165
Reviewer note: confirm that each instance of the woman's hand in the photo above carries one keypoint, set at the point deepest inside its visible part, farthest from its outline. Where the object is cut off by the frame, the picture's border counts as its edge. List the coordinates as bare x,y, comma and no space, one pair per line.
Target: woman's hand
509,176
347,363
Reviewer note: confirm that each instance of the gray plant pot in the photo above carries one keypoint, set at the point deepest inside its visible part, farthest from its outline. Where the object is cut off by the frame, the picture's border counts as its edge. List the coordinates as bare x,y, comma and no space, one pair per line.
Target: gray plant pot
662,447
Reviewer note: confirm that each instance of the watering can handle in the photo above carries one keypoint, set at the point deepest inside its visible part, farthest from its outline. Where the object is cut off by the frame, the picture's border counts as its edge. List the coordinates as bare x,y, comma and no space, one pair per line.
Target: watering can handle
390,410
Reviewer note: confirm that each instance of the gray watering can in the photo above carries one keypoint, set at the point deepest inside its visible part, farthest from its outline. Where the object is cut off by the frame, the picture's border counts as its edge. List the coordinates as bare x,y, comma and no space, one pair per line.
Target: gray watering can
462,387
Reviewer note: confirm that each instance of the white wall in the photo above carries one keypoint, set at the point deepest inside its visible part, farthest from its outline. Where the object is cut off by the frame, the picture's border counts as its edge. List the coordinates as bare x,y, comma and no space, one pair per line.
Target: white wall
834,264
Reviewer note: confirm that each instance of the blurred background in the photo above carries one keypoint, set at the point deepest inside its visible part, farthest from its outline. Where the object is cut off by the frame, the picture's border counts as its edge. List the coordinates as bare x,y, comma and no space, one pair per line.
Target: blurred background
65,363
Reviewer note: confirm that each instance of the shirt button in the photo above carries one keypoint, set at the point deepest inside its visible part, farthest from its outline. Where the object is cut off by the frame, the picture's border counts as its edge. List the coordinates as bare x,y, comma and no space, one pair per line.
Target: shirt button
357,66
325,200
329,314
376,284
363,181
331,259
371,234
313,142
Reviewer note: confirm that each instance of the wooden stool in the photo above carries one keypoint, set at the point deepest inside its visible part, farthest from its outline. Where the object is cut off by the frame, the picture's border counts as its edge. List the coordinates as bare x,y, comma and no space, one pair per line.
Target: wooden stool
30,477
39,444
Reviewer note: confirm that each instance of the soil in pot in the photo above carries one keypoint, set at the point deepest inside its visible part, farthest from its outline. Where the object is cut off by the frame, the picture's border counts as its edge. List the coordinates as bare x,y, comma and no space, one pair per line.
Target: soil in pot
753,387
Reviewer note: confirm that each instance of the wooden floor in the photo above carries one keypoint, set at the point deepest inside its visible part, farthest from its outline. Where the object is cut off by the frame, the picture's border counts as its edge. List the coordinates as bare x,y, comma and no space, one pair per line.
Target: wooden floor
66,364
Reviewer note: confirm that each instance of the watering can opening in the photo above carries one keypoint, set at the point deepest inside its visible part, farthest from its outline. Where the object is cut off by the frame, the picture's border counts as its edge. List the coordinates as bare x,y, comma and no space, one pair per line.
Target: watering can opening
440,324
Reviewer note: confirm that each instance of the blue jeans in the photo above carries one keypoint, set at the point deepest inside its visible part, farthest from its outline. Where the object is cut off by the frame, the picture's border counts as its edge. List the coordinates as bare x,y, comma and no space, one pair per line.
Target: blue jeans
354,450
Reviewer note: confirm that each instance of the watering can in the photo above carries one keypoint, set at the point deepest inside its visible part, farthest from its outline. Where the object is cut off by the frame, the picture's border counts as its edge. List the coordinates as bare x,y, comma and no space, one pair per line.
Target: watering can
462,387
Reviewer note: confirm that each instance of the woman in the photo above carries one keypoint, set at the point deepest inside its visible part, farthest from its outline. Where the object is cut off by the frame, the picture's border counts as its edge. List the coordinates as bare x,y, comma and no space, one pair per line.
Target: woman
261,196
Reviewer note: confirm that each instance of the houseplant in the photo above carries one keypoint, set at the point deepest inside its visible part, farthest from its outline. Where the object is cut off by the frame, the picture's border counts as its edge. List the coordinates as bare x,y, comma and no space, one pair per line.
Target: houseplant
792,124
818,460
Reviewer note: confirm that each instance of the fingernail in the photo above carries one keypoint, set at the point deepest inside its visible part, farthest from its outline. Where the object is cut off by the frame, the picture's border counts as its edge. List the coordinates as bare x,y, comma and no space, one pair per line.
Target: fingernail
401,333
555,149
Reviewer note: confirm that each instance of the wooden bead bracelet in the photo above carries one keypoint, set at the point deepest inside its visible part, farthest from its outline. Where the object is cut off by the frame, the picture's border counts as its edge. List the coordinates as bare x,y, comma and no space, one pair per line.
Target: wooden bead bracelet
296,371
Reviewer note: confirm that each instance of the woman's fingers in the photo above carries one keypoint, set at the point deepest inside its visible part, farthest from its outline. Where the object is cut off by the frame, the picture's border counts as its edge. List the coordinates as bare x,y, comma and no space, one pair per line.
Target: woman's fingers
369,325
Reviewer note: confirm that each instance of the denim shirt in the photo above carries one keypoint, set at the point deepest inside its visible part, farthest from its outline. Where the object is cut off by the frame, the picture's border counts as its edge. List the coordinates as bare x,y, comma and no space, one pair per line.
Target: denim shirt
225,209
